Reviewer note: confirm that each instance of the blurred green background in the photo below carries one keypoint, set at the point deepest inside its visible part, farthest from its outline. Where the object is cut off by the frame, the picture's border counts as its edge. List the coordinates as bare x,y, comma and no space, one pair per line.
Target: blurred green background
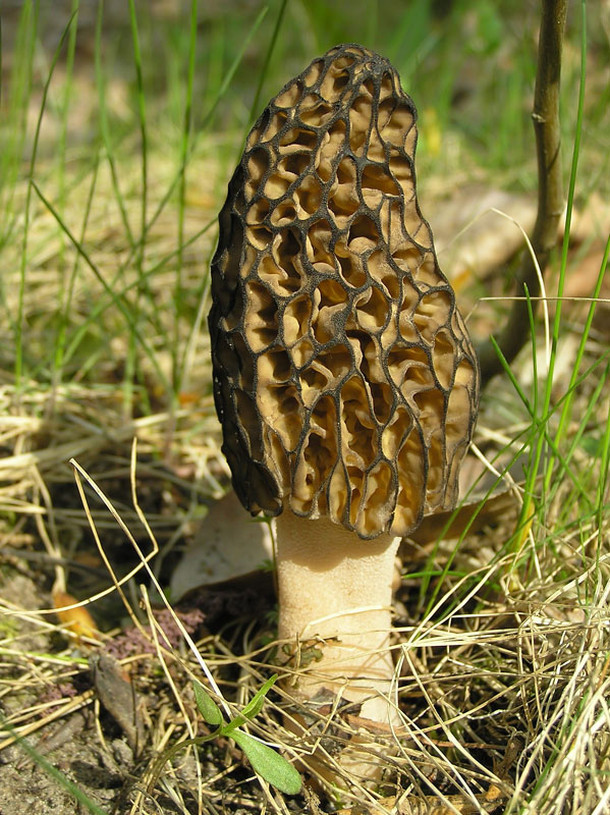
470,62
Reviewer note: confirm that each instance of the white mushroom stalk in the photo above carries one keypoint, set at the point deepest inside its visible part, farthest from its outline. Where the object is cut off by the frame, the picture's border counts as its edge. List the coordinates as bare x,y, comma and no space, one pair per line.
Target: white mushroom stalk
344,377
335,596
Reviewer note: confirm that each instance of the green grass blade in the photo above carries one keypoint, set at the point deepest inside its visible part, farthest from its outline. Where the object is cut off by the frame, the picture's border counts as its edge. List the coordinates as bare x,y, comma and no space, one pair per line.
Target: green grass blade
19,325
105,126
568,222
268,54
602,486
117,299
187,127
68,289
15,111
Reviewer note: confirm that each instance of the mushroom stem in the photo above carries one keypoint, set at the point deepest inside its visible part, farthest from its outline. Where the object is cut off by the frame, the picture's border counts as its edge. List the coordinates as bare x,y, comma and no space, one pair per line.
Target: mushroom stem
335,595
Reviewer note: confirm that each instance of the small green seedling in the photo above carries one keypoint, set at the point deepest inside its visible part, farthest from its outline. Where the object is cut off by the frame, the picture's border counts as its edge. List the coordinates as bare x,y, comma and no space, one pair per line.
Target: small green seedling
265,762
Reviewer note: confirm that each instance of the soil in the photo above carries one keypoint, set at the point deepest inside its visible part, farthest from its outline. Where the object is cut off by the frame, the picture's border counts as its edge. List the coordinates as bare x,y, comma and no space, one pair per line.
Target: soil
104,747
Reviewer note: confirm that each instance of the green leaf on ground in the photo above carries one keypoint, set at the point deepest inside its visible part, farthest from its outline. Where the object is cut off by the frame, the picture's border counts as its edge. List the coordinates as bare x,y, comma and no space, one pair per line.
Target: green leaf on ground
271,766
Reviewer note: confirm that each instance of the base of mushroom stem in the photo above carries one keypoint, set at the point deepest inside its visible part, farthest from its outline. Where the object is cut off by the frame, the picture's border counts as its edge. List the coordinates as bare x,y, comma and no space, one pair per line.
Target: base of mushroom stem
334,681
340,748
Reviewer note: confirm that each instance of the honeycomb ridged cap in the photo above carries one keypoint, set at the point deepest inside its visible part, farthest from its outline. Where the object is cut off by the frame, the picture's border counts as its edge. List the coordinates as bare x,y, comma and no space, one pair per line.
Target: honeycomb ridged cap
344,378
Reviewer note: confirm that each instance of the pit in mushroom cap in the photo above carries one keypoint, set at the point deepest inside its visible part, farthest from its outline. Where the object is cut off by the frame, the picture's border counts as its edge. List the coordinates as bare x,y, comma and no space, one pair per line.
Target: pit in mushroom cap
344,378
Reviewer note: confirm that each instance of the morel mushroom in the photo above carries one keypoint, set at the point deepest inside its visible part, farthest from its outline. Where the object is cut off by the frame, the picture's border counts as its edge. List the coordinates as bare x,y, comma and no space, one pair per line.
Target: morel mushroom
344,377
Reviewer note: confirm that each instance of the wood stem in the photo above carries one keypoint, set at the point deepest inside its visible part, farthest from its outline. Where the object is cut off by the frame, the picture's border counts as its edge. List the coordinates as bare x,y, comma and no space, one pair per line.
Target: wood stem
545,117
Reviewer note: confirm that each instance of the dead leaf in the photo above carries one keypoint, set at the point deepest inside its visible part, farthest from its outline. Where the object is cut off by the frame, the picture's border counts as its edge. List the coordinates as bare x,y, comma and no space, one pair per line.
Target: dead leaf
116,693
424,805
591,221
582,277
228,545
77,620
474,516
471,240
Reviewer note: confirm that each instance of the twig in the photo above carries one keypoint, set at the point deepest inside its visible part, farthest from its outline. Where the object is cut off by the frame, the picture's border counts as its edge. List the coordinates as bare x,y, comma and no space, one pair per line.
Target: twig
550,196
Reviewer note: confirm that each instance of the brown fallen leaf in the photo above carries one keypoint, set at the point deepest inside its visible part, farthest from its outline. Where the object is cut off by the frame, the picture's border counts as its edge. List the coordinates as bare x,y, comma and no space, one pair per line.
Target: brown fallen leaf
116,694
474,516
582,277
471,239
76,620
425,805
590,222
227,546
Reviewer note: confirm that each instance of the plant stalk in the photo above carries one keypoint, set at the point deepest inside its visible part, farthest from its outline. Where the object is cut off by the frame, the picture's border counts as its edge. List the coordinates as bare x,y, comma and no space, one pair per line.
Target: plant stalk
545,117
